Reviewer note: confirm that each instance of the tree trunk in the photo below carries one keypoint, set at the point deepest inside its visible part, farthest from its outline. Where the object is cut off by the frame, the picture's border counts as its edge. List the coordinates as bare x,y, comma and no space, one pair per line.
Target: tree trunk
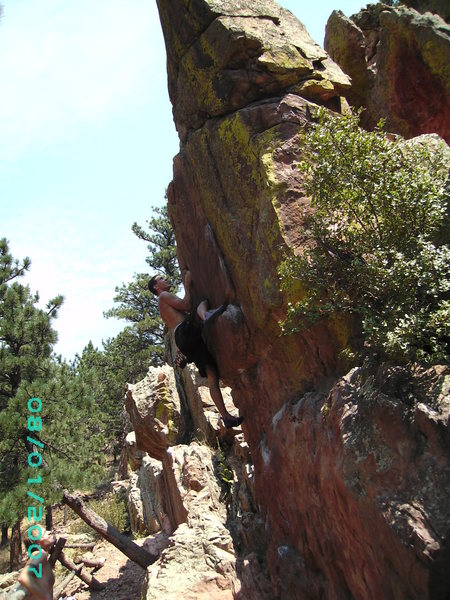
48,517
4,535
109,532
15,552
88,546
62,586
77,569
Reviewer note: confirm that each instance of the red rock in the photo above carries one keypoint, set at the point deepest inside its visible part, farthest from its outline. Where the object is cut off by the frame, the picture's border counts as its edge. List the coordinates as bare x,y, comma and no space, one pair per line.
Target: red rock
351,479
398,61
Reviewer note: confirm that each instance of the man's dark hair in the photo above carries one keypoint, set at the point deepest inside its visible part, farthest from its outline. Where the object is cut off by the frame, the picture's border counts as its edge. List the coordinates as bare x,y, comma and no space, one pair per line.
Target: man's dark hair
151,284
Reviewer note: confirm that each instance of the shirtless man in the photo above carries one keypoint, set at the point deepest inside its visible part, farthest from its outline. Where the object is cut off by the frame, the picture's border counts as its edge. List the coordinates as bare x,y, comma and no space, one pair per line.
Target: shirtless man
187,328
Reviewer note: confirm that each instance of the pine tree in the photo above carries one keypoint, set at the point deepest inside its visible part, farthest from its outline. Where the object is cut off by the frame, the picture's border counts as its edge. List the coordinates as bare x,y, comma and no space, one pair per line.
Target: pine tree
127,357
26,341
103,376
161,244
55,441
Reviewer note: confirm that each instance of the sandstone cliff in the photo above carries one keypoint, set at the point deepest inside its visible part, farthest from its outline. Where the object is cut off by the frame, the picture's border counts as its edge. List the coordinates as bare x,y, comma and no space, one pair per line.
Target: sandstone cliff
399,62
439,7
196,497
349,474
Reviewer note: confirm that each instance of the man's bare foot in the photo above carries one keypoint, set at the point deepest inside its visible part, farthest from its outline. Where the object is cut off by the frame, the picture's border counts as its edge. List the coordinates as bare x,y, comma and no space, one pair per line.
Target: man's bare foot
231,422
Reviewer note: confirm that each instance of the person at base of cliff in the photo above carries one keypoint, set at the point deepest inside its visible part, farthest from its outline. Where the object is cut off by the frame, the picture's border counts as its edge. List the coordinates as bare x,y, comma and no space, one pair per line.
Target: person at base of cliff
187,326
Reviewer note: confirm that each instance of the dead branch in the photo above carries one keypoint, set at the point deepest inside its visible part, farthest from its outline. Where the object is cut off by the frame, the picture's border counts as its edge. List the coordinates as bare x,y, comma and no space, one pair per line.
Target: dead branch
79,545
78,570
109,532
89,562
62,586
56,552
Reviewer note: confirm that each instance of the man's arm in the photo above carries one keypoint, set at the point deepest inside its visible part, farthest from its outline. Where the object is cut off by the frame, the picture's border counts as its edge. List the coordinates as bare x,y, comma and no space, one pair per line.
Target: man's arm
181,304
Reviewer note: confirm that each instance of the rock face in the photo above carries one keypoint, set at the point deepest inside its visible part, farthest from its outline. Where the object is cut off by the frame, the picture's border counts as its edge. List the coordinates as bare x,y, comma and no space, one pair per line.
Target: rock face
222,54
439,7
372,488
200,560
399,62
199,496
349,476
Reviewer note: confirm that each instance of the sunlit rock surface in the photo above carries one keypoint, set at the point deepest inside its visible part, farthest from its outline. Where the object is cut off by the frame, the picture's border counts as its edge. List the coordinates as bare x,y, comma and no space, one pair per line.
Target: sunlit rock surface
399,62
199,495
340,485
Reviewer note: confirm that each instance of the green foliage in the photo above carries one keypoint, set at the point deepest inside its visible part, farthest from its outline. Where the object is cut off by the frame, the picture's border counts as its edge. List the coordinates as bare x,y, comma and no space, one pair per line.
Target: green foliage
127,357
144,338
380,207
70,433
26,335
74,431
82,402
136,304
162,256
223,470
113,509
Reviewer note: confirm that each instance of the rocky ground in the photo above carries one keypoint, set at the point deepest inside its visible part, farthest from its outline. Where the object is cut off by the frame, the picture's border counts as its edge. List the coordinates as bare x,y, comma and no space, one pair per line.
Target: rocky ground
121,577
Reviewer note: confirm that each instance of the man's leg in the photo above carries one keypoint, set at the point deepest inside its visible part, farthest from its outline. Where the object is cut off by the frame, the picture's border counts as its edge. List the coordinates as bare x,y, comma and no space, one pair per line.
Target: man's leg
201,309
216,395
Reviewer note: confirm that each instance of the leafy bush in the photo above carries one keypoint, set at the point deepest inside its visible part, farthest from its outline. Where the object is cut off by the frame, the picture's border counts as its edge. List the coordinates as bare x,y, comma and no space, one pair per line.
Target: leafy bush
224,471
379,208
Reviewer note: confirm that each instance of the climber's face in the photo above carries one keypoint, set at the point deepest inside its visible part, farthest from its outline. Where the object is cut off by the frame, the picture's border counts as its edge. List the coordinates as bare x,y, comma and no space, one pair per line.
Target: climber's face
161,285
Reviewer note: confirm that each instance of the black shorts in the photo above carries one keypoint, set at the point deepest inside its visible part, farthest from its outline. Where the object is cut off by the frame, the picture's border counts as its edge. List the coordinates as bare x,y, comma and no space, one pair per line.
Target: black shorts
188,338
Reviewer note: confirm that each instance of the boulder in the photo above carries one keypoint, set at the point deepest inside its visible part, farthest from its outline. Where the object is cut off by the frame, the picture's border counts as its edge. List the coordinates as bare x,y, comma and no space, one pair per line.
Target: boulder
439,7
398,60
134,455
198,496
335,458
222,55
143,498
369,463
154,408
199,561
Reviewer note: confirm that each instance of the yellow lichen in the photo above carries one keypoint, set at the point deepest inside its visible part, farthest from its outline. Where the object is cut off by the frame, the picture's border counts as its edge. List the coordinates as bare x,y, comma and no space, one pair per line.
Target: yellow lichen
340,327
286,64
164,411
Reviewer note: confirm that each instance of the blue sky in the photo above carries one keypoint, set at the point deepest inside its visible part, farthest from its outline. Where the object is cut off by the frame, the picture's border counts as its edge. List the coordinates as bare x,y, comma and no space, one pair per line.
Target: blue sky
86,145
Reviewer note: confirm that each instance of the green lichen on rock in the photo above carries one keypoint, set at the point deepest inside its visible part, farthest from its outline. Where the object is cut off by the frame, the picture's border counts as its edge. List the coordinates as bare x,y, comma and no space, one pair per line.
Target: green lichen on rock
282,61
224,55
164,412
243,214
199,74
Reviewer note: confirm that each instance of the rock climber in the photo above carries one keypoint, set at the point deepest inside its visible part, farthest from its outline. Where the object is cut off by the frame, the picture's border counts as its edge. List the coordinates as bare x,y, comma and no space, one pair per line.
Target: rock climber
187,326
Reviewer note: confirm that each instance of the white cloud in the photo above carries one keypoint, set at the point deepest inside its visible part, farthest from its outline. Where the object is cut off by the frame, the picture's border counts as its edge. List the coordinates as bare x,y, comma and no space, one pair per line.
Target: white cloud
66,63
